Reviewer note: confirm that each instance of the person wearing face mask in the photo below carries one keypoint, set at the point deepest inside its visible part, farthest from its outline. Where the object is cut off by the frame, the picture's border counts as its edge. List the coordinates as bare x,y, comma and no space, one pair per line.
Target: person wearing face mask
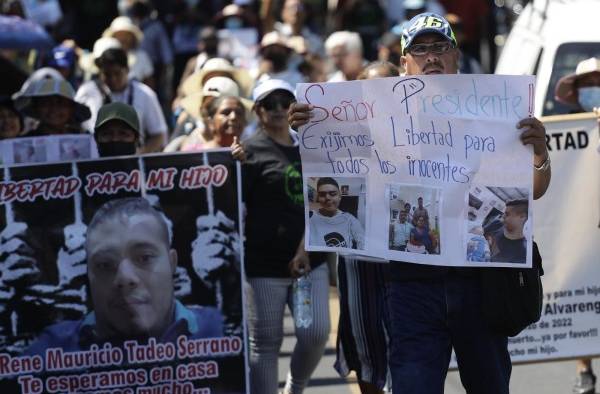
235,16
117,130
275,64
581,90
114,85
293,18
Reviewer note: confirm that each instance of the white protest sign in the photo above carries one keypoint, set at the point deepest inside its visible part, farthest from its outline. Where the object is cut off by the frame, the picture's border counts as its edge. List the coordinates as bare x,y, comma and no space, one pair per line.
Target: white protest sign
424,169
567,232
48,149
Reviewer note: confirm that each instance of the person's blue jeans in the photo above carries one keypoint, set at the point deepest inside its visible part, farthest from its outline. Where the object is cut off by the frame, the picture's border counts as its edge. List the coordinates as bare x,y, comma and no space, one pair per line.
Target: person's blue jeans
426,319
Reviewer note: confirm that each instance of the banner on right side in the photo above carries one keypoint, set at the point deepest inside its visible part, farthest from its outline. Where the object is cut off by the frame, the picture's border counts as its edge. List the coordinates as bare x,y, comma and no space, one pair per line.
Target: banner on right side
567,230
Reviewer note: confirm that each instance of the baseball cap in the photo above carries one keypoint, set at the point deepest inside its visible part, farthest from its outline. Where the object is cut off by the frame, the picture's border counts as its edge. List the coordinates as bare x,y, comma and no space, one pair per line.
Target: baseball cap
427,22
267,87
214,87
62,56
118,111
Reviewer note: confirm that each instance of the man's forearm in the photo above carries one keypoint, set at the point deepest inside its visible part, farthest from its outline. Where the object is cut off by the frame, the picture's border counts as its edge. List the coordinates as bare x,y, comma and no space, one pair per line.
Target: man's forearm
541,178
154,143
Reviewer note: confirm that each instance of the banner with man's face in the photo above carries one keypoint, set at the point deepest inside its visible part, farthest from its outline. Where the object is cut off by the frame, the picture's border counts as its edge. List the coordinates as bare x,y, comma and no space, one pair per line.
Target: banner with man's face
122,276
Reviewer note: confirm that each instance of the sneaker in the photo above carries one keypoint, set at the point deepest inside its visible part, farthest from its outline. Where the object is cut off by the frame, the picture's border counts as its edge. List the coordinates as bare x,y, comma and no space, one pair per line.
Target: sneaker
585,383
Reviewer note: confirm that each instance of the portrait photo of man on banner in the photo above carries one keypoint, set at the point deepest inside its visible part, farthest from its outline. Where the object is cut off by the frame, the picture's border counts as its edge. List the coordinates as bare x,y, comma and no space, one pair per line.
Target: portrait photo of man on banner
123,274
337,220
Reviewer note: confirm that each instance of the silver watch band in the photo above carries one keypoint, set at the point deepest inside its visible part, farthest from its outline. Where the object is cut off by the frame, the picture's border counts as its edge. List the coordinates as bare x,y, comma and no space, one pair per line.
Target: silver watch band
544,166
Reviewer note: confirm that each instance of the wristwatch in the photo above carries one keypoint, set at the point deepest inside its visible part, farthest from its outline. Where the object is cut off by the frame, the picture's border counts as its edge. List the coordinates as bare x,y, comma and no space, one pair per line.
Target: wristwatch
544,166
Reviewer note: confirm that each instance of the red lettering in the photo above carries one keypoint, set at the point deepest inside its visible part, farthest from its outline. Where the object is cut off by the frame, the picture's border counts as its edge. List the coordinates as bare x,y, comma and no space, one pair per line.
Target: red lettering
93,180
161,179
10,192
186,178
72,185
134,181
58,188
22,190
104,186
37,189
119,179
219,175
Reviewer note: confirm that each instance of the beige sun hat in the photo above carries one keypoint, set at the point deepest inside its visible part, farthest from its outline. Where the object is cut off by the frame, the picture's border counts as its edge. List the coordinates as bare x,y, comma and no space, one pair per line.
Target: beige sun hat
46,87
274,38
194,83
87,62
565,88
124,23
214,87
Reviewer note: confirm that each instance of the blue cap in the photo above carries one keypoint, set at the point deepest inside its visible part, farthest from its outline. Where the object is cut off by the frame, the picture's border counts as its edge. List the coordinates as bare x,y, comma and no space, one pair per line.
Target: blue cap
427,22
62,56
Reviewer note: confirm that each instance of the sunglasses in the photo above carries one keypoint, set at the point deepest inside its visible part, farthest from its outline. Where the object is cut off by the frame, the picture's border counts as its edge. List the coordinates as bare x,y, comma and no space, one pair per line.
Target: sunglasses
272,103
437,48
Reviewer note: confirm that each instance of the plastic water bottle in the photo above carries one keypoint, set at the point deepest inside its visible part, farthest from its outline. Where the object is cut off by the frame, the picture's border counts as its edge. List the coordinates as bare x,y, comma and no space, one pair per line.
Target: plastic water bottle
302,302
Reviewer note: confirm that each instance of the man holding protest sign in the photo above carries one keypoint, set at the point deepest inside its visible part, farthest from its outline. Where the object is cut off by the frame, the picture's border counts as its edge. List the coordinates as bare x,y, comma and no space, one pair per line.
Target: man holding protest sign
433,309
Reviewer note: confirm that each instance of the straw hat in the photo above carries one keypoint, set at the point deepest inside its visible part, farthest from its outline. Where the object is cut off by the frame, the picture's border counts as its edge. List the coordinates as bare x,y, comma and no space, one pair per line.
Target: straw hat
124,23
49,87
214,87
565,88
193,83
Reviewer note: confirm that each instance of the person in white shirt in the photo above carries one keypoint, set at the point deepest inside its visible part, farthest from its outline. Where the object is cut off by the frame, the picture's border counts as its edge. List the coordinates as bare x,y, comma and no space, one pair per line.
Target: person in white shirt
331,227
114,86
400,232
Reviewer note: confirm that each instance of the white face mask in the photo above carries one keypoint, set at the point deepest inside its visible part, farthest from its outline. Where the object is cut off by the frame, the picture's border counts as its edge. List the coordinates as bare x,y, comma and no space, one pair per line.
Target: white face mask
589,98
234,22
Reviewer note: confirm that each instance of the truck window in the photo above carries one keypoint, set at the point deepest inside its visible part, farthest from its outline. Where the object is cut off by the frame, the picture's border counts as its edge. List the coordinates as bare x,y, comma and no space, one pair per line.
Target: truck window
565,61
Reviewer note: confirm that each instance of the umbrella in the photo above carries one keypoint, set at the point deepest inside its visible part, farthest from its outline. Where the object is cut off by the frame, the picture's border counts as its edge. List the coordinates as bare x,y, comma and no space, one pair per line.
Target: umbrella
18,33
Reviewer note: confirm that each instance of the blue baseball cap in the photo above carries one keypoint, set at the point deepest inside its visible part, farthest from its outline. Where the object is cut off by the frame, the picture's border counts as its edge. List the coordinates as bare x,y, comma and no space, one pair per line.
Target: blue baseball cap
62,56
427,22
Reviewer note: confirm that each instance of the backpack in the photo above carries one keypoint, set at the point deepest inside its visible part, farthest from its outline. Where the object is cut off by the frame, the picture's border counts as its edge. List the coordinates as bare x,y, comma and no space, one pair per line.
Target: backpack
512,297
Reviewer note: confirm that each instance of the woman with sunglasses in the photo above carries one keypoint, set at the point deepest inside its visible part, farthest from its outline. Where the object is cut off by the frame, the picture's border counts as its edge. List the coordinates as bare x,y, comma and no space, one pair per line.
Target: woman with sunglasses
274,250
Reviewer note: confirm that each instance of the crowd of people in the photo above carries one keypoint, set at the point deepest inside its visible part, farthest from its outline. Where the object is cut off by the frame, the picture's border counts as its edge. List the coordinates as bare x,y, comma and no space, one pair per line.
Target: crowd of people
143,77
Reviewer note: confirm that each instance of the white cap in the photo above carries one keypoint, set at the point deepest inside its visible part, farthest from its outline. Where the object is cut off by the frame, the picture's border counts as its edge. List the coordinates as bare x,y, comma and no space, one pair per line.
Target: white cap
104,43
267,87
220,86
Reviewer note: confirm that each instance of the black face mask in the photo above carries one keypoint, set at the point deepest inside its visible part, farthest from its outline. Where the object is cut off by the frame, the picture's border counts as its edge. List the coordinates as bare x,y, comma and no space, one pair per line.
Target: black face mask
108,149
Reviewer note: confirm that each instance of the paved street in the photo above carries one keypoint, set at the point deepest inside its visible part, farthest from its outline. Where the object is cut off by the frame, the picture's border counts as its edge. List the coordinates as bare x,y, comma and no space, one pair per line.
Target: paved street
543,378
